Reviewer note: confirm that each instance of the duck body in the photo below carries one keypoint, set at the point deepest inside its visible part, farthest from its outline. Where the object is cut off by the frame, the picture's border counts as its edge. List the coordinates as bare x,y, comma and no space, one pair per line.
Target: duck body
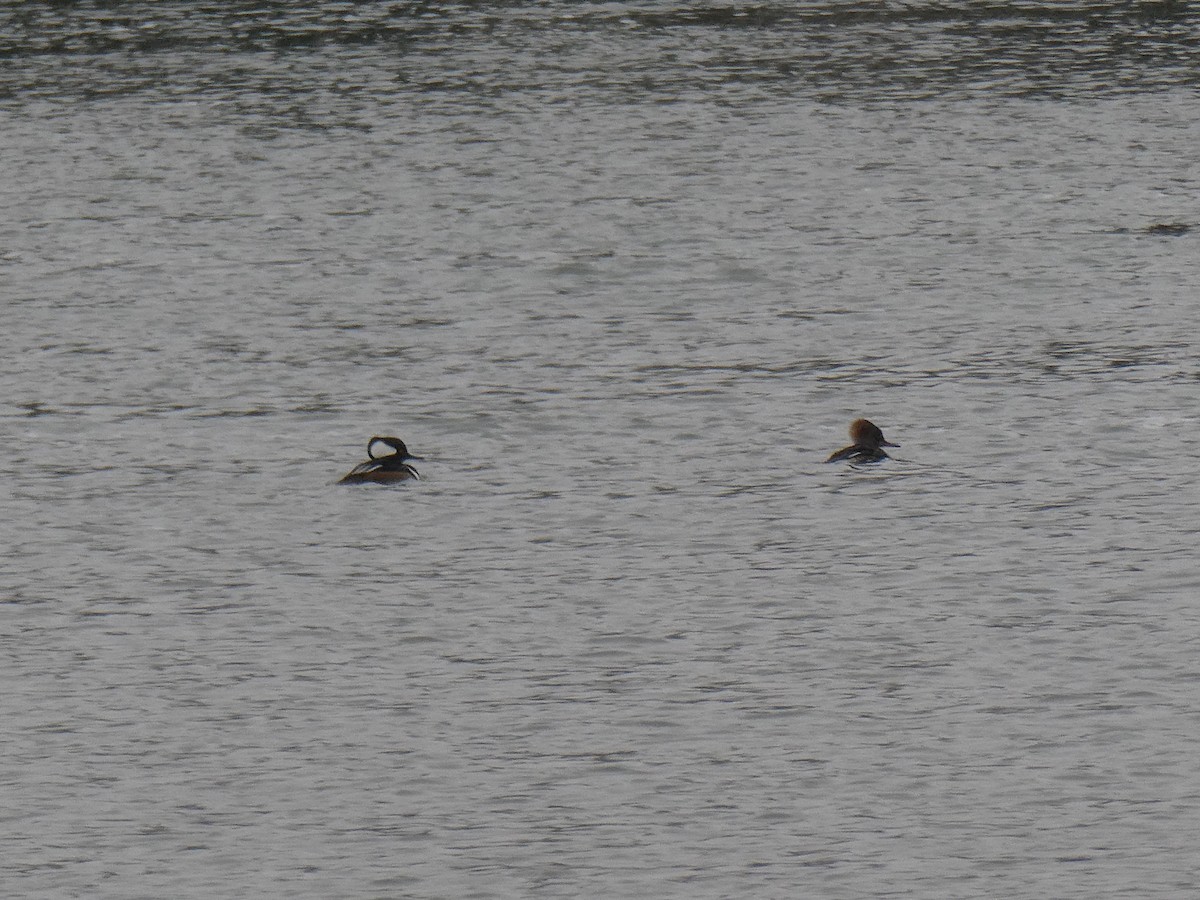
387,469
859,455
867,447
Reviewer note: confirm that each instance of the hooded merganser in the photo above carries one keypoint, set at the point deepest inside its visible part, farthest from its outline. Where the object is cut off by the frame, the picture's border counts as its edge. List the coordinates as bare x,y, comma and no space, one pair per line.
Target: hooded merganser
868,439
383,469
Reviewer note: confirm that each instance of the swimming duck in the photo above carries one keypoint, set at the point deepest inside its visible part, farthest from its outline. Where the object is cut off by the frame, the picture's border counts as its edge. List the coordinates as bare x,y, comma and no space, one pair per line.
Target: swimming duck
385,469
868,440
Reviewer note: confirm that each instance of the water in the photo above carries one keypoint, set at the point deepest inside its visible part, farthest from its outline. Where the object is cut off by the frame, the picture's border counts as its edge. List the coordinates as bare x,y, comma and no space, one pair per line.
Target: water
623,274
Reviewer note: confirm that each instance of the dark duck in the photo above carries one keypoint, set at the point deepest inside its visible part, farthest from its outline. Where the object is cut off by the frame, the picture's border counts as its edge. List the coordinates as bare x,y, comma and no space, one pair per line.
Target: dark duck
386,469
867,446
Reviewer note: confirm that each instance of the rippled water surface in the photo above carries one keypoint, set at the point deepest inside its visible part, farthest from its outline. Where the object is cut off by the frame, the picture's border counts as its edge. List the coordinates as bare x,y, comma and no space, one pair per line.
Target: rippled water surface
622,274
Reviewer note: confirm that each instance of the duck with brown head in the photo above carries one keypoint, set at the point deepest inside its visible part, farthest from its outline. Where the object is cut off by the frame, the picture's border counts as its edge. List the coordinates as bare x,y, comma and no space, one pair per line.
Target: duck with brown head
386,469
867,446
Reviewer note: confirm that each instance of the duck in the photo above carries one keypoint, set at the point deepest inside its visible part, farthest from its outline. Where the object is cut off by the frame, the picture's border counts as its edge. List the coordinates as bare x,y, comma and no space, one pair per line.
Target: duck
868,443
386,469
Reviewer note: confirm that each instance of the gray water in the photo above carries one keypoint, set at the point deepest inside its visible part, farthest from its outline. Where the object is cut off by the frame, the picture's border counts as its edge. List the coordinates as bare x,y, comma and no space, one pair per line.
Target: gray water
622,274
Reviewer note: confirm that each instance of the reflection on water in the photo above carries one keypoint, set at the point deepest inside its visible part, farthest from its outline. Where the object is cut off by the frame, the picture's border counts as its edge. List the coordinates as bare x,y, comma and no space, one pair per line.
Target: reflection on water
845,50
